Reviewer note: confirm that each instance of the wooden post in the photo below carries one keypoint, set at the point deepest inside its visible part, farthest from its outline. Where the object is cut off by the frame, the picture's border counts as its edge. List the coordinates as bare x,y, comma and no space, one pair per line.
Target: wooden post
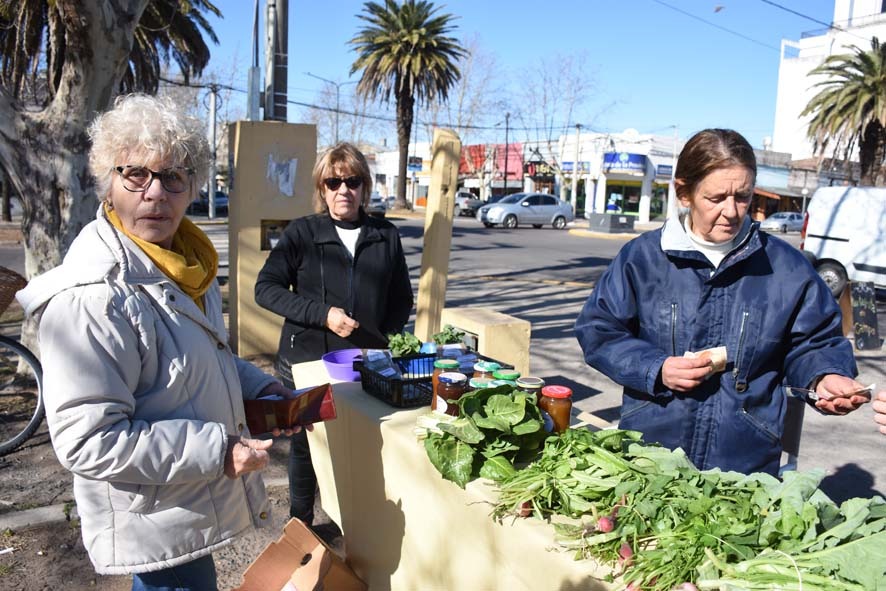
446,152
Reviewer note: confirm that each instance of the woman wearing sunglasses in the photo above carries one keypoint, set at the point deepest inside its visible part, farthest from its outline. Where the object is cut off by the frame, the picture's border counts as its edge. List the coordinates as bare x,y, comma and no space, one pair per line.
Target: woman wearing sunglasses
339,279
144,397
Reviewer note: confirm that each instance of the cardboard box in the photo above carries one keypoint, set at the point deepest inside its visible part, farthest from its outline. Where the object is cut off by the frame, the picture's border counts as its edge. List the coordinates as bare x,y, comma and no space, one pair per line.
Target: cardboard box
299,561
312,405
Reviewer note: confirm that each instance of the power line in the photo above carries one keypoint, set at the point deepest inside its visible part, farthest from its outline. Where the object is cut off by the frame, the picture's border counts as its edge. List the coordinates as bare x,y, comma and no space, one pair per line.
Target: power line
716,26
830,26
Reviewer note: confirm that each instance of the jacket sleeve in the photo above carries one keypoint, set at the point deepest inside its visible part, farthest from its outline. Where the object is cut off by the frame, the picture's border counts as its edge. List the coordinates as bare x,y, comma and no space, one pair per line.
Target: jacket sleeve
817,344
400,297
252,379
607,327
90,375
279,274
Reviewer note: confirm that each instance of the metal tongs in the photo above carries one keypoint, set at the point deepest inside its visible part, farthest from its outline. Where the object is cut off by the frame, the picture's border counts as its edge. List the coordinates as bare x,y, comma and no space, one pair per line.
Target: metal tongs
812,395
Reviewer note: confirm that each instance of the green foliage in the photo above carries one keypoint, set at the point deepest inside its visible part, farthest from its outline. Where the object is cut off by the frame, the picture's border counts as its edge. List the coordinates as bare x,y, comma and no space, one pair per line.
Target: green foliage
449,335
404,343
850,109
496,427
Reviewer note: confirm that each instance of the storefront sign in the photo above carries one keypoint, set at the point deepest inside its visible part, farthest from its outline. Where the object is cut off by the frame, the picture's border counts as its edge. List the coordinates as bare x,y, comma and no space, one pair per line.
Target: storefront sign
538,170
664,171
584,167
625,163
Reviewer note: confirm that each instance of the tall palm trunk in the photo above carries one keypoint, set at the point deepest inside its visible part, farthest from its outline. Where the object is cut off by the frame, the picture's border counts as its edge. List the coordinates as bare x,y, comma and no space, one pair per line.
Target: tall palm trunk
872,154
405,110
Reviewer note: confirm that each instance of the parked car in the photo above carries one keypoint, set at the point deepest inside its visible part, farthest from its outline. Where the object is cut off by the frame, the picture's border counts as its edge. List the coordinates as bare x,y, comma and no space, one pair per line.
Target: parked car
536,209
783,221
466,204
200,205
844,235
377,206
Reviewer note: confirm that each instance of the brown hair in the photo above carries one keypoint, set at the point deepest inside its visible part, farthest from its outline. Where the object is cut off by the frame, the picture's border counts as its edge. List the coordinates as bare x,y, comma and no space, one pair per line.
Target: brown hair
710,150
347,157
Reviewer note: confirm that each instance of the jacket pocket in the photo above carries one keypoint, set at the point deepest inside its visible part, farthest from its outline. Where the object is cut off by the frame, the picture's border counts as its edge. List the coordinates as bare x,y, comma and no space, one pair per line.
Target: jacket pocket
132,498
668,327
771,433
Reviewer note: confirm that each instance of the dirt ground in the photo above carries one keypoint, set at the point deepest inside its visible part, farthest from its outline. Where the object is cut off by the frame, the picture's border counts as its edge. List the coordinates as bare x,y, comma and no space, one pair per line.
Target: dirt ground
53,556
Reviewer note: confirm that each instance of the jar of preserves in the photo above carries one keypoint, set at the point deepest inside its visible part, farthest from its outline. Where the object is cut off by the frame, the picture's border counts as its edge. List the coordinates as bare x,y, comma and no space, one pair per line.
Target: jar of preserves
497,383
485,369
450,387
478,383
510,375
556,407
440,366
530,385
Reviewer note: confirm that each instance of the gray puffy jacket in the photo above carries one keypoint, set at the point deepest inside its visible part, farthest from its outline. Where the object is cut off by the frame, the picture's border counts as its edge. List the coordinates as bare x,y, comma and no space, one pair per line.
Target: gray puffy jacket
141,391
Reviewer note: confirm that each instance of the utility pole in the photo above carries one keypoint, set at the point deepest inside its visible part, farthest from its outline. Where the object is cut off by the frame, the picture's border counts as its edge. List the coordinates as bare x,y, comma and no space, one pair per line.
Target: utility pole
575,169
210,188
507,154
254,78
276,59
338,86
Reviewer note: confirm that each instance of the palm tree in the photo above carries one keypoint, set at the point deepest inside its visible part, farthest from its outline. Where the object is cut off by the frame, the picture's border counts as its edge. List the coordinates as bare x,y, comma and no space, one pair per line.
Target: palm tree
405,51
850,109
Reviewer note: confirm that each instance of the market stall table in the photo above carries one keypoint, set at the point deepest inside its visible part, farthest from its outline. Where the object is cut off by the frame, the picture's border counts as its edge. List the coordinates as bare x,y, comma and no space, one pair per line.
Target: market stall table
407,528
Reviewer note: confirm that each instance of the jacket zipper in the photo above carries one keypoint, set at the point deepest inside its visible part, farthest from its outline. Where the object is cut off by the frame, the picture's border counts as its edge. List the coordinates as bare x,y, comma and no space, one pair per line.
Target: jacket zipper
741,335
674,329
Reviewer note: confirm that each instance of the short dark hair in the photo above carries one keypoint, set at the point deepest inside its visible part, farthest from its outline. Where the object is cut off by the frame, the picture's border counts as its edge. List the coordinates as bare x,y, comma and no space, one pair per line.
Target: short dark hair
710,150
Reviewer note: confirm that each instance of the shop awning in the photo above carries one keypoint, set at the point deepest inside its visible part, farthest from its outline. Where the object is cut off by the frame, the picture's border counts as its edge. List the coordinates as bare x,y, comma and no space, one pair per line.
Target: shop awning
765,193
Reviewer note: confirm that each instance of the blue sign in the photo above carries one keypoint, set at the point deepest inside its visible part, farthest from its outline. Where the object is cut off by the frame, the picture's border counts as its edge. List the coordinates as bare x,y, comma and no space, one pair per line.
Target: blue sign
664,170
583,167
624,162
414,164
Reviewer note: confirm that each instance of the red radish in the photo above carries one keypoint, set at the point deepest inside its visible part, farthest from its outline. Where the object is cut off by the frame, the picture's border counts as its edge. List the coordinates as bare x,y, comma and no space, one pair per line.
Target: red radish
525,509
625,554
633,586
605,524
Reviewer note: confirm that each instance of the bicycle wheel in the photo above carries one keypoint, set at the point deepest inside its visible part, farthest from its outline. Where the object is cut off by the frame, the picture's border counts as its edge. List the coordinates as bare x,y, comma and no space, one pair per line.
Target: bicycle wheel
21,394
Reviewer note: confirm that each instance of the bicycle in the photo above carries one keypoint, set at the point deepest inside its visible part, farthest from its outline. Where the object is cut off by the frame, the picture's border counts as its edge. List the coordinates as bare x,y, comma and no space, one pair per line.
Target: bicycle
21,378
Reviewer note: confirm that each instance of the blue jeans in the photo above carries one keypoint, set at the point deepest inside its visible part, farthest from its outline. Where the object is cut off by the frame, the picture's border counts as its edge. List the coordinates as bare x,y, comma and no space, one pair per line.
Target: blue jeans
197,575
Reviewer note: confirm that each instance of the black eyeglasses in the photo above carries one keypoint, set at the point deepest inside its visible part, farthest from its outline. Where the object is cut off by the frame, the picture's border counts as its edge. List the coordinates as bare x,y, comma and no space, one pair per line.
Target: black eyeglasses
138,178
333,183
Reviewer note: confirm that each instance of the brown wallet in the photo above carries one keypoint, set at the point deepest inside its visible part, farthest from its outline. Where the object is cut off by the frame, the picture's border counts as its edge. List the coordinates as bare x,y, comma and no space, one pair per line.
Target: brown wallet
312,406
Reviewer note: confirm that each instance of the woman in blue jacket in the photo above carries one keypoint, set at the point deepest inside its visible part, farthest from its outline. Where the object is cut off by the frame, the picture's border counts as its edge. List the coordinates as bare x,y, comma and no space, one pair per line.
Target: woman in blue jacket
709,278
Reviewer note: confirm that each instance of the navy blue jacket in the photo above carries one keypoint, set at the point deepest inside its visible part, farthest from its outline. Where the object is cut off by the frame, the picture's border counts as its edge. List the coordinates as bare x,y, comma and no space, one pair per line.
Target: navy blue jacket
661,297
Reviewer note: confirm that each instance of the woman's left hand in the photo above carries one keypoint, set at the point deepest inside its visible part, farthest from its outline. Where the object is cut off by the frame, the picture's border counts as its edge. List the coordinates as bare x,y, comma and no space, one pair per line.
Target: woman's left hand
278,389
836,394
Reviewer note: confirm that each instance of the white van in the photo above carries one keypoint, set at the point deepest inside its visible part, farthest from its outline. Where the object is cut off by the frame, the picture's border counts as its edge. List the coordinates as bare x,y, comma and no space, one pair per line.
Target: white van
845,235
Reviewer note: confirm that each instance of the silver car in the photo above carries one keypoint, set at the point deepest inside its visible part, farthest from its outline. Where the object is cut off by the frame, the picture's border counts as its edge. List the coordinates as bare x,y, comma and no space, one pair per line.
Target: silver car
783,221
377,206
536,209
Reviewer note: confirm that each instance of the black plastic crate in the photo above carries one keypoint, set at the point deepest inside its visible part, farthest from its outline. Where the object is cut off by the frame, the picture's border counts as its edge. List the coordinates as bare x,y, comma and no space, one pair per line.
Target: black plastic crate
415,387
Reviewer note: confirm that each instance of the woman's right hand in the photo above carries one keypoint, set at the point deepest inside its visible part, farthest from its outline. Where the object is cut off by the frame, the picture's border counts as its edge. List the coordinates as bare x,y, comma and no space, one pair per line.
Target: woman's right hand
340,323
246,455
684,374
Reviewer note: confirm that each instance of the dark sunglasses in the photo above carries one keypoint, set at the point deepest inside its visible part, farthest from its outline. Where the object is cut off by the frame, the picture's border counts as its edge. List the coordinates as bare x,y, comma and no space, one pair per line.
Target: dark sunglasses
333,183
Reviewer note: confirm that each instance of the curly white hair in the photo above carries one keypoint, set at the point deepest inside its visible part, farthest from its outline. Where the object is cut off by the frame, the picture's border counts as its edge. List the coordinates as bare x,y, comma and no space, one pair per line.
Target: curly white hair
141,130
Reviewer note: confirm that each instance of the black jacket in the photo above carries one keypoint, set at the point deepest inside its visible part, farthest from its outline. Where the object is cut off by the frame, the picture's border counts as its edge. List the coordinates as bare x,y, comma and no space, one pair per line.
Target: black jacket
310,270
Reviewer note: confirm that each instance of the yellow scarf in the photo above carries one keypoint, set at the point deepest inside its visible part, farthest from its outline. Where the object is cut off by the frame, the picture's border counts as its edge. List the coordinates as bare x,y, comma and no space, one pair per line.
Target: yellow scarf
192,263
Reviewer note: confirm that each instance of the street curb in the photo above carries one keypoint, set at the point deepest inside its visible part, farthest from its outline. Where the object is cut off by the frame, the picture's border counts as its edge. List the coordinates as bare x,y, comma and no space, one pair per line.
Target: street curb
604,235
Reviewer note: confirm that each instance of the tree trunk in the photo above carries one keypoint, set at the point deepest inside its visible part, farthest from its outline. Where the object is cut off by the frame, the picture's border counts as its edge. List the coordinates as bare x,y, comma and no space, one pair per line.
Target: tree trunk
5,205
405,104
45,152
872,154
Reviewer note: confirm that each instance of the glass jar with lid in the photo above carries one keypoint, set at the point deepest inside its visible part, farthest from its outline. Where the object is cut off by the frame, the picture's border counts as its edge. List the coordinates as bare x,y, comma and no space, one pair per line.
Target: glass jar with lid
510,375
440,366
556,407
478,383
450,387
485,369
530,385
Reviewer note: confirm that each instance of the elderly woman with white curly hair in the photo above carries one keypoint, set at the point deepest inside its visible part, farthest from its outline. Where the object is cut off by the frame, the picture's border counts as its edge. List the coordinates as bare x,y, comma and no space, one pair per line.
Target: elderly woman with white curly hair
144,397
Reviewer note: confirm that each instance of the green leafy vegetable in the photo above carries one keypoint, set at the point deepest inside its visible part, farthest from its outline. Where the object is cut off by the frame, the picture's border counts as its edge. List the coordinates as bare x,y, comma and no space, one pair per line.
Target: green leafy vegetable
449,335
404,343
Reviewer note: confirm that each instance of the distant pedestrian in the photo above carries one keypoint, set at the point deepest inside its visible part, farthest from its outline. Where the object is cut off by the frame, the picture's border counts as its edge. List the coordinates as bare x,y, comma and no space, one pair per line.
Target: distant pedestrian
144,397
709,279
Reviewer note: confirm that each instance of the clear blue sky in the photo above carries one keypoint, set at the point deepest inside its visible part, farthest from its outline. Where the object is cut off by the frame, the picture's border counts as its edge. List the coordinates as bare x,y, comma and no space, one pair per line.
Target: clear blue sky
655,62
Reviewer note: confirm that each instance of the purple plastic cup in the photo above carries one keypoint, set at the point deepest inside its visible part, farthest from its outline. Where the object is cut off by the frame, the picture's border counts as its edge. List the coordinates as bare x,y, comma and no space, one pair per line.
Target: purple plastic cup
340,364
